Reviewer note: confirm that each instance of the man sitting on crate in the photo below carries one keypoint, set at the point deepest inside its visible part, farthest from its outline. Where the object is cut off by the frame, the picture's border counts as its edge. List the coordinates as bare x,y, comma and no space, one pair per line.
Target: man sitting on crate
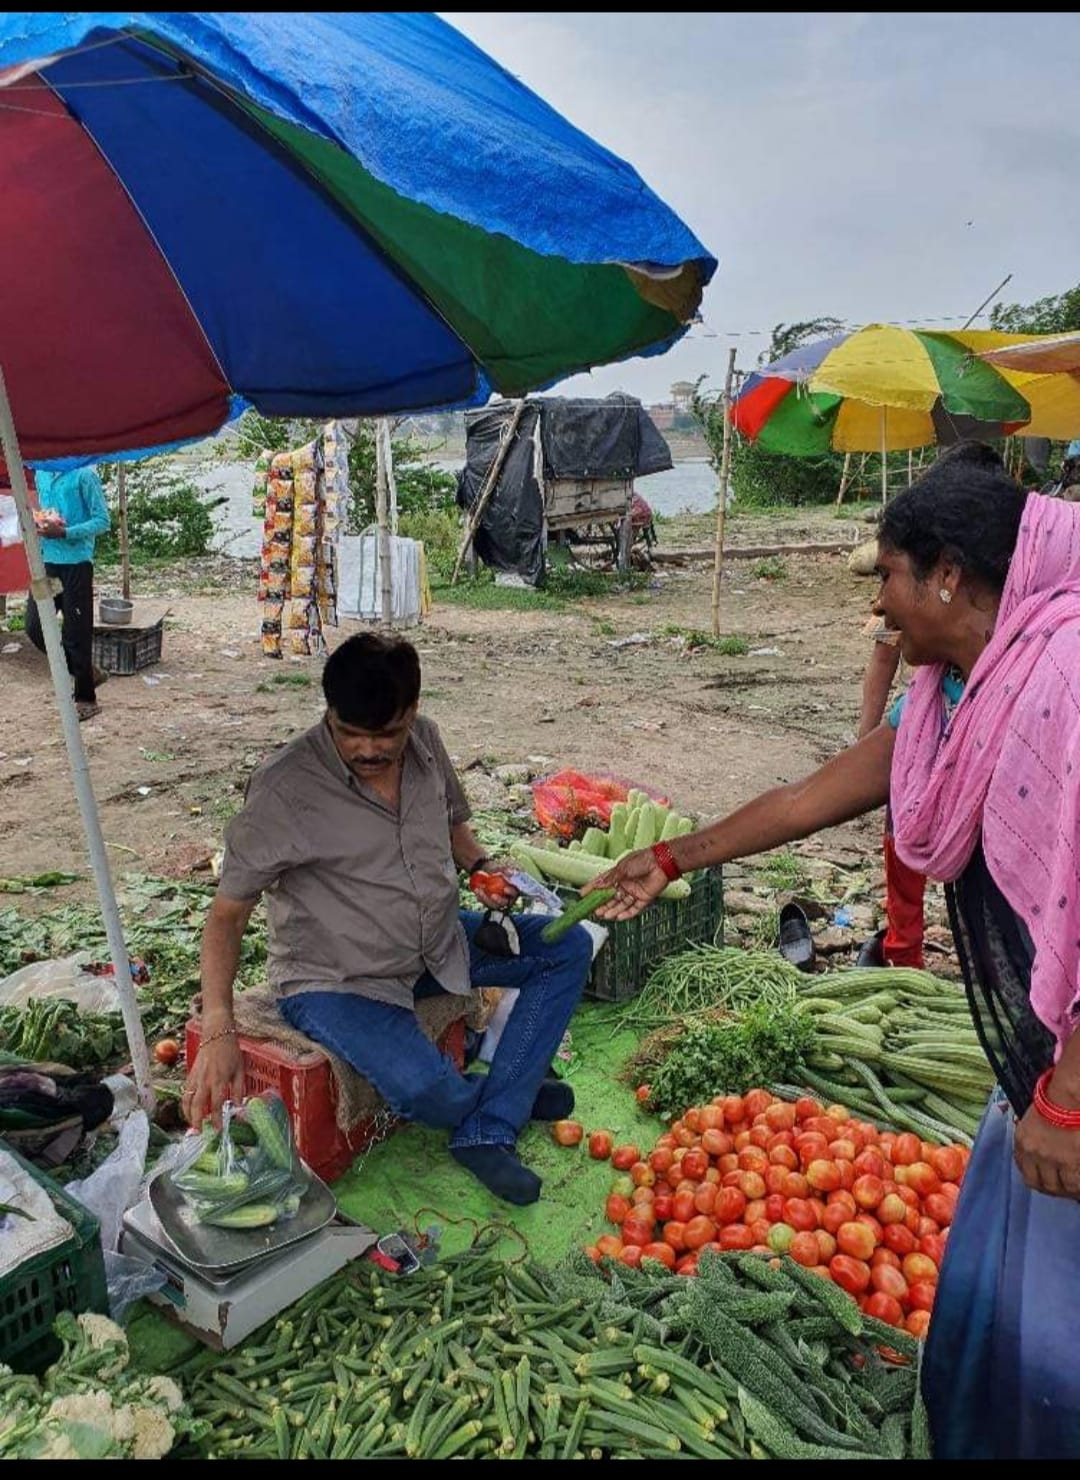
355,832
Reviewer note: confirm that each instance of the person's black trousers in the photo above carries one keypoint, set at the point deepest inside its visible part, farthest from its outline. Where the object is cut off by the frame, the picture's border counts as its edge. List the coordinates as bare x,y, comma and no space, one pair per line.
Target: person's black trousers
75,605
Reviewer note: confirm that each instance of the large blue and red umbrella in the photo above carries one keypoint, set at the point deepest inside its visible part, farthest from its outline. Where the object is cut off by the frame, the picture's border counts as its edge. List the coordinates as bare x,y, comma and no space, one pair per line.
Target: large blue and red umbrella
324,214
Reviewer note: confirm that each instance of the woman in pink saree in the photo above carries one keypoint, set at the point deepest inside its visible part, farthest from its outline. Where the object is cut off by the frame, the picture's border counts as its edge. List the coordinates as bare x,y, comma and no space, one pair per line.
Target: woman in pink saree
981,766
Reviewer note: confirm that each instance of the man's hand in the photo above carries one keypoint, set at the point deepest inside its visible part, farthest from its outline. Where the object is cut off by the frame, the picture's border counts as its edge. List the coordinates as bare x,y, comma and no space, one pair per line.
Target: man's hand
492,887
637,881
218,1075
49,525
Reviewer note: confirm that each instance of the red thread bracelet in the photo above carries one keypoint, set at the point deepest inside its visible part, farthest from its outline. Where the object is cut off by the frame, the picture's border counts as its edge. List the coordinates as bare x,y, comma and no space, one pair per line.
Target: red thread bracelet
666,861
1065,1120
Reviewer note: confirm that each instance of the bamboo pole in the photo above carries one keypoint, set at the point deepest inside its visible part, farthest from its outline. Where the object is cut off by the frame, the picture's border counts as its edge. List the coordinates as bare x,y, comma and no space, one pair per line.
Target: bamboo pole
884,461
382,519
125,552
42,592
721,509
843,479
488,489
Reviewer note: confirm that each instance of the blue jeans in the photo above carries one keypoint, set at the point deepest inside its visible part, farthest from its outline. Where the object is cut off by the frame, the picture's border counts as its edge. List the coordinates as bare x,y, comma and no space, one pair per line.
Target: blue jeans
387,1046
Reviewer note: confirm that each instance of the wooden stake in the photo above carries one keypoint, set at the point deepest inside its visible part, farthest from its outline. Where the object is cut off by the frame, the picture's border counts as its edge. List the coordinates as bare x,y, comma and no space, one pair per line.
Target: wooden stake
721,508
125,555
843,479
488,489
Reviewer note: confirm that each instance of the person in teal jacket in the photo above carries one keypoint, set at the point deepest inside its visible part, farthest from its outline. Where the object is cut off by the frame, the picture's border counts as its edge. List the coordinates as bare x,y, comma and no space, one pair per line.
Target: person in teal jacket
71,514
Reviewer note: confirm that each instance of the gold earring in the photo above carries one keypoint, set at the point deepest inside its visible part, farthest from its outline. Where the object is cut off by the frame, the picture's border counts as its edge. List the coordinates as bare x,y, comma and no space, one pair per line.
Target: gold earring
945,594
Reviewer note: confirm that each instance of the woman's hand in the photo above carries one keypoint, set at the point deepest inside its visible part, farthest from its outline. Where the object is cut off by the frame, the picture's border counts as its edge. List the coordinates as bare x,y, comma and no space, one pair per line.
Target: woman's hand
1048,1158
637,881
218,1075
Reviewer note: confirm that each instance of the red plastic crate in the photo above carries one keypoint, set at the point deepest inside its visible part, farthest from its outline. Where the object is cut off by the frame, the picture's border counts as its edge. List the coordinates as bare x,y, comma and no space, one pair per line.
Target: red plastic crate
308,1088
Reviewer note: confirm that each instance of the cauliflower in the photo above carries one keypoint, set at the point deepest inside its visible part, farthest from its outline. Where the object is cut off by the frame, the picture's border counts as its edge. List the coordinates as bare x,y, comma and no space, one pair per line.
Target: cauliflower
153,1434
164,1390
100,1331
94,1408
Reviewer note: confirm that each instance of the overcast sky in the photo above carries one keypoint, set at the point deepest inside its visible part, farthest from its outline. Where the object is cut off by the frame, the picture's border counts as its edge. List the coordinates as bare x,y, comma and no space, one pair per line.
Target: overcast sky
866,166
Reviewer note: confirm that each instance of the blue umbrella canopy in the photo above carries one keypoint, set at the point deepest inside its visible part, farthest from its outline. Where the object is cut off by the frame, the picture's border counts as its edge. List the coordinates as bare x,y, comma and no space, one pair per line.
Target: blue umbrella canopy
312,214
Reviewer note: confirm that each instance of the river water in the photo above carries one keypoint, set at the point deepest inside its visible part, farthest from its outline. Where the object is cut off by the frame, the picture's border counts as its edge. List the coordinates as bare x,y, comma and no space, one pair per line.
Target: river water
688,487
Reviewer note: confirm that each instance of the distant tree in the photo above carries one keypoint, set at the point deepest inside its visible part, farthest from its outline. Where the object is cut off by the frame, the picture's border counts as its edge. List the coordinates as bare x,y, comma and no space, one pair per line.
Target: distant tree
1053,315
786,337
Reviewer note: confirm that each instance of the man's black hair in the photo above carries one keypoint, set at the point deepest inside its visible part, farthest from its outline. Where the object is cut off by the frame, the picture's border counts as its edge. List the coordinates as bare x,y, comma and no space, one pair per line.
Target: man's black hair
370,681
965,509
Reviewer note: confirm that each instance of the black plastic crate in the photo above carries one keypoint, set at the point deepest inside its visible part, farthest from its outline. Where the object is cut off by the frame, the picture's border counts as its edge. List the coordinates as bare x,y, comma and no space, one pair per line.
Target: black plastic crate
69,1276
634,948
127,649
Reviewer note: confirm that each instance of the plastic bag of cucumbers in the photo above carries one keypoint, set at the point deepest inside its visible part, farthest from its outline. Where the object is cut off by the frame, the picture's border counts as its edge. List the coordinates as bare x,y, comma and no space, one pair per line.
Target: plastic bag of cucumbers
247,1175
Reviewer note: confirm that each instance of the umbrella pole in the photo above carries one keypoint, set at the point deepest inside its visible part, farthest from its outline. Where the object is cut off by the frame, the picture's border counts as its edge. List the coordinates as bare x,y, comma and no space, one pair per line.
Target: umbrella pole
884,462
382,517
721,508
122,519
41,589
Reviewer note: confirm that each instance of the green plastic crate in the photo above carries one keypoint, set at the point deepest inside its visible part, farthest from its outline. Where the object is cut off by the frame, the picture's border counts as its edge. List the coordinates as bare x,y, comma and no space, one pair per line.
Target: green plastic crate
634,948
69,1276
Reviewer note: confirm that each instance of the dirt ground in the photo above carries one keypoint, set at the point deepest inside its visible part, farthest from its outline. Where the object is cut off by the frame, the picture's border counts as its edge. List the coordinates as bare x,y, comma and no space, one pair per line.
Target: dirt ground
599,686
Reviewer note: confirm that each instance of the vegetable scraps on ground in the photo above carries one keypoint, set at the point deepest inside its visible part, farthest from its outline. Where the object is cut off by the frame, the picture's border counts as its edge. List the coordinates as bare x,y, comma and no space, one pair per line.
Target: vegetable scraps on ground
867,1210
484,1357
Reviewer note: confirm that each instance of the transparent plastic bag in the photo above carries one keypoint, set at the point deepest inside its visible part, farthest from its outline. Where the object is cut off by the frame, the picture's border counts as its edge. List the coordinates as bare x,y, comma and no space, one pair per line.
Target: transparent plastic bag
247,1175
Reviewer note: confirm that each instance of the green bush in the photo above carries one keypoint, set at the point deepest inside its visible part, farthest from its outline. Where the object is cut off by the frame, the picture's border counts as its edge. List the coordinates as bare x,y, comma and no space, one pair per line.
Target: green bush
168,518
441,531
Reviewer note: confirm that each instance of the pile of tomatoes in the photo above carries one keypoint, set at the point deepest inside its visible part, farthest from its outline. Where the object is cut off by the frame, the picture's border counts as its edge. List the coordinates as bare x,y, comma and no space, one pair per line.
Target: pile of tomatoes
867,1209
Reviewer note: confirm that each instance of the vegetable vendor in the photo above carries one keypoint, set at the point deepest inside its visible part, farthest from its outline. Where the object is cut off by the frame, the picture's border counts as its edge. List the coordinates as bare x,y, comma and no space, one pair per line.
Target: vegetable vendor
981,767
355,832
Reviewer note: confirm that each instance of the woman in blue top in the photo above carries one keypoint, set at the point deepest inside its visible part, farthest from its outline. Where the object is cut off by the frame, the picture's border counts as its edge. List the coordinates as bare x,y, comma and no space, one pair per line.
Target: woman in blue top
71,515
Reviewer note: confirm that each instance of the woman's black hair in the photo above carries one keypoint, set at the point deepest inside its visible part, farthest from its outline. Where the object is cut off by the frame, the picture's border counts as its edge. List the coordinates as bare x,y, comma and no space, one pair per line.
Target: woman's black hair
370,681
965,509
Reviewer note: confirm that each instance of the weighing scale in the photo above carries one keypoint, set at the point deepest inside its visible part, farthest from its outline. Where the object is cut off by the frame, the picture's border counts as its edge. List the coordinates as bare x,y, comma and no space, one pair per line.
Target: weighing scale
222,1306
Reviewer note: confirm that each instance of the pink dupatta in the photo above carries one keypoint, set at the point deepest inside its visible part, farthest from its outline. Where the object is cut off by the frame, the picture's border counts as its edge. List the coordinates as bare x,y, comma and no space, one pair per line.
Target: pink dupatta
1008,765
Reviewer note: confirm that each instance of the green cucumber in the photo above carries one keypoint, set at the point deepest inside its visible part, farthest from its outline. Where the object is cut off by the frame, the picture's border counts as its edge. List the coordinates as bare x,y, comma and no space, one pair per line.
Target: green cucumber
574,913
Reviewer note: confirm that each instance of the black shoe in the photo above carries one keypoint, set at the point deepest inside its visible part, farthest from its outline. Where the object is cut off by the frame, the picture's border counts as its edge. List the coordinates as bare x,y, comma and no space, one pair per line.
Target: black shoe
554,1100
501,1171
871,952
796,943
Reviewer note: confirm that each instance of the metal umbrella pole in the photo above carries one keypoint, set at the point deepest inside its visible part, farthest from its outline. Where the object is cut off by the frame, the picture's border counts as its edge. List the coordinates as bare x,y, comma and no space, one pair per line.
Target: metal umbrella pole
41,589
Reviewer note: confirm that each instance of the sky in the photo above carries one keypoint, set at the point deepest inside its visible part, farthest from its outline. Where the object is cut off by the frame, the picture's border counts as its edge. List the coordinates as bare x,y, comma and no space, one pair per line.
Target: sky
865,166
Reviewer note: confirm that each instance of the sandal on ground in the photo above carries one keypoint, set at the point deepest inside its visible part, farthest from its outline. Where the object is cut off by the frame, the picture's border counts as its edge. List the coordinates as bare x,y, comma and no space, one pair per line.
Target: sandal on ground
796,943
85,710
100,676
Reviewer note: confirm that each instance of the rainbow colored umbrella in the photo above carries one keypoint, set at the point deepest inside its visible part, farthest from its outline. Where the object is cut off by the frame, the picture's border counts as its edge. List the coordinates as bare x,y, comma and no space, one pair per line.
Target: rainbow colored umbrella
315,214
878,389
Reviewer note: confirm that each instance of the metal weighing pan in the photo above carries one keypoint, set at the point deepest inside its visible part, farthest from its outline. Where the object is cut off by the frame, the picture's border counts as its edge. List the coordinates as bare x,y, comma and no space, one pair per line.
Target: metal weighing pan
216,1251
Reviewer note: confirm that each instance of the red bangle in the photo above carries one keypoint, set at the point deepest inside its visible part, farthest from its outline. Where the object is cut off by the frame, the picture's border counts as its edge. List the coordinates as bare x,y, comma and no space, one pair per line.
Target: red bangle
666,861
1065,1120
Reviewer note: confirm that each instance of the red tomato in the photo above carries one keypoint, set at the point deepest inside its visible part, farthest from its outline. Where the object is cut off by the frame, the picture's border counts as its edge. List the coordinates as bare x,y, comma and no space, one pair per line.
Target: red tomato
806,1109
167,1051
811,1147
847,1172
917,1323
804,1250
638,1230
885,1308
852,1275
784,1156
835,1215
800,1215
568,1132
716,1142
760,1136
869,1221
642,1200
948,1162
616,1208
906,1193
754,1211
683,1206
728,1163
933,1246
888,1280
699,1232
907,1149
733,1109
685,1138
730,1206
609,1246
826,1245
600,1145
760,1229
870,1163
940,1208
899,1238
921,1295
868,1191
920,1269
593,1253
819,1209
675,1234
642,1174
624,1157
631,1255
922,1178
752,1185
705,1198
642,1093
712,1119
733,1179
780,1116
838,1112
661,1159
774,1208
884,1256
774,1178
892,1209
736,1236
695,1164
687,1266
662,1206
843,1149
856,1239
753,1159
742,1138
823,1175
795,1185
756,1102
667,1139
845,1199
664,1253
692,1119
